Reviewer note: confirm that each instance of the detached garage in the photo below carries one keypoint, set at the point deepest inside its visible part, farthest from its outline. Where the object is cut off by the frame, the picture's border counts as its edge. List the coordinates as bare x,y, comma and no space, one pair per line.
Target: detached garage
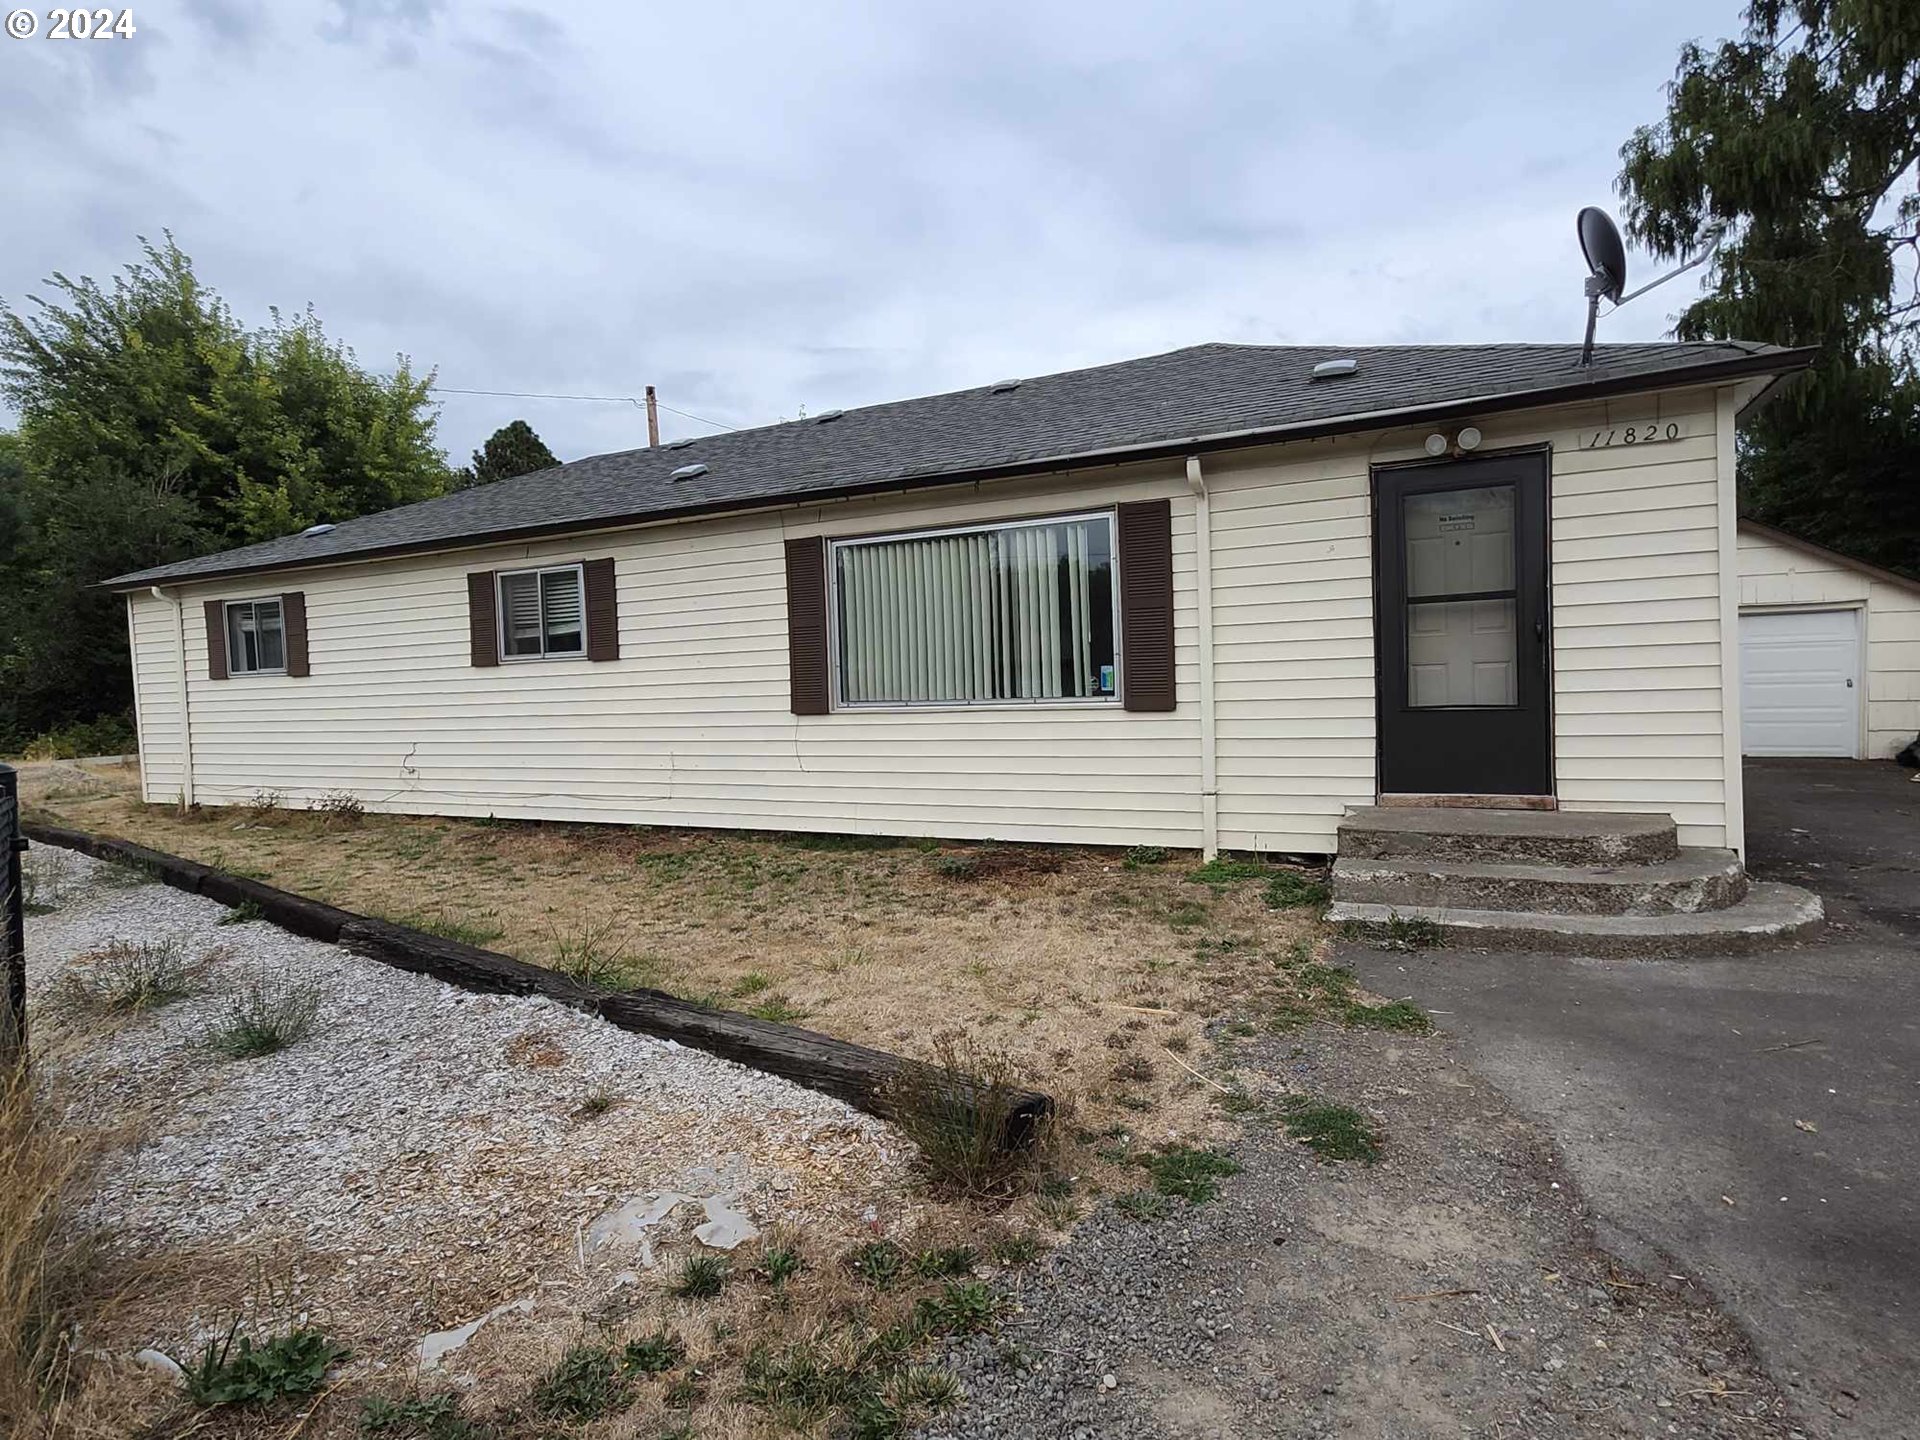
1829,651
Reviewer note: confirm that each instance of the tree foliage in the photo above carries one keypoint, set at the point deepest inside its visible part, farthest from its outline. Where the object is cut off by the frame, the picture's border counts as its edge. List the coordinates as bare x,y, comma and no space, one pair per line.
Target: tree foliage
1802,138
513,449
152,427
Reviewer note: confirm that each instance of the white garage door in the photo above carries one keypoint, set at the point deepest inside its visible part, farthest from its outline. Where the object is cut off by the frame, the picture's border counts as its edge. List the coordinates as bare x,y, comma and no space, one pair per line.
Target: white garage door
1800,683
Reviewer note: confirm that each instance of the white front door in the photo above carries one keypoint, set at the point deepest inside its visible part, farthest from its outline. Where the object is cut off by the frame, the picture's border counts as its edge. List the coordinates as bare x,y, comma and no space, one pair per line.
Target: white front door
1800,683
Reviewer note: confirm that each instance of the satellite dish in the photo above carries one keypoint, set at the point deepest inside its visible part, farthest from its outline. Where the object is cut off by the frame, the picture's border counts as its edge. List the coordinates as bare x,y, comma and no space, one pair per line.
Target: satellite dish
1605,252
1607,265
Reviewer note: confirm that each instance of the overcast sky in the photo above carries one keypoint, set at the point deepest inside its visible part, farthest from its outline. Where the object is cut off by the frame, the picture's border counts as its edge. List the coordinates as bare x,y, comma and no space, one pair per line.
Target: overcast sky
763,207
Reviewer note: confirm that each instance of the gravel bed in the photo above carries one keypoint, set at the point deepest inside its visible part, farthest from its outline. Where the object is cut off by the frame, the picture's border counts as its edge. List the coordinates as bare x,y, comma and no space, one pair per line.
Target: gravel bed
429,1137
1317,1300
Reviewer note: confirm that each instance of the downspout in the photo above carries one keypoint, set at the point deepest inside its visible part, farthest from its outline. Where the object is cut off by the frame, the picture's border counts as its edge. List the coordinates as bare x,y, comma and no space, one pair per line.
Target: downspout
1203,601
180,689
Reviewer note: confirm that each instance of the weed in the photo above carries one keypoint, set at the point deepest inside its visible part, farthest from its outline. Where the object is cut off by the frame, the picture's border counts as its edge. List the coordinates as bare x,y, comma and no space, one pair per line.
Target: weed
1236,1102
966,1307
804,1381
1020,1249
961,1112
879,1263
122,875
702,1277
777,1009
1186,914
592,953
447,927
752,983
653,1354
1291,890
245,913
943,1260
597,1103
46,880
269,1012
1141,856
957,867
266,805
340,807
683,1392
1410,932
1190,1173
1333,1132
1401,1015
126,976
1142,1205
779,1264
1059,1211
587,1384
1222,871
425,1417
292,1364
1135,1068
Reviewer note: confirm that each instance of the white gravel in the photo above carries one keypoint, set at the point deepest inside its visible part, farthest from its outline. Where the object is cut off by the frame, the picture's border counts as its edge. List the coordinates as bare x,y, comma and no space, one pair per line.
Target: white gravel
418,1127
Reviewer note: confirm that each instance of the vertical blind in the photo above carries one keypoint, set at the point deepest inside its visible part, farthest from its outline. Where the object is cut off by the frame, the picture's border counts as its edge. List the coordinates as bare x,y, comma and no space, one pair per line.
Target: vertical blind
541,612
1018,612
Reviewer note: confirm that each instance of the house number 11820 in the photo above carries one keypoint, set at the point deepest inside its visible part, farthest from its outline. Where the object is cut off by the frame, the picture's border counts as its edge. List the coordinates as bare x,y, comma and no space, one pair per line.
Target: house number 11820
1651,432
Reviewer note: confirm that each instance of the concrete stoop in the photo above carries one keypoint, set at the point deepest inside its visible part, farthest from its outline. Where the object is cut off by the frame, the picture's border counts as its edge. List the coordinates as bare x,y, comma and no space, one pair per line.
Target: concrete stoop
1562,881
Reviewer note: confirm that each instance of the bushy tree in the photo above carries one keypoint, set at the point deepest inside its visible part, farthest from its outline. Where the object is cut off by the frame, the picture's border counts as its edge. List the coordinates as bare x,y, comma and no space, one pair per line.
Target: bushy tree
513,449
152,426
1802,137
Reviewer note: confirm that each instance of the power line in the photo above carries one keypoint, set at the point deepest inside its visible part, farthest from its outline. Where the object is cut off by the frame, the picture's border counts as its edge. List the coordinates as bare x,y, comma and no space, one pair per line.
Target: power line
602,399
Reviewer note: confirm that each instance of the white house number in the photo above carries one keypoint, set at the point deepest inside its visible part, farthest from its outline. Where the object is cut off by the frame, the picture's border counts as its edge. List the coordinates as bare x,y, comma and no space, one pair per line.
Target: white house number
1650,432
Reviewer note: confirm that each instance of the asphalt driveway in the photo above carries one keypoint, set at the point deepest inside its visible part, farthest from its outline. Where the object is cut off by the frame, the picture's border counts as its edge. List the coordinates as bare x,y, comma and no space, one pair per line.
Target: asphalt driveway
1756,1119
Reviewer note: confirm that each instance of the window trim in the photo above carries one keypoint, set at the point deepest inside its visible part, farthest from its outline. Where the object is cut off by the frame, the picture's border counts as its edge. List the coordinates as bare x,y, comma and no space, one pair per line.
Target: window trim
837,543
500,578
235,672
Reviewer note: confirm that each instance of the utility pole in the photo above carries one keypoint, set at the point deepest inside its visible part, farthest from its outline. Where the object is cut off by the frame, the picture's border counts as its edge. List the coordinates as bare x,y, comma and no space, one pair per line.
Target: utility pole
653,420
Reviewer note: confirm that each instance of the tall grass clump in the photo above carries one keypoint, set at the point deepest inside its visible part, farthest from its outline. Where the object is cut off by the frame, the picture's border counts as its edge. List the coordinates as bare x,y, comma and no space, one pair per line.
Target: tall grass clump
962,1112
41,1260
270,1011
124,977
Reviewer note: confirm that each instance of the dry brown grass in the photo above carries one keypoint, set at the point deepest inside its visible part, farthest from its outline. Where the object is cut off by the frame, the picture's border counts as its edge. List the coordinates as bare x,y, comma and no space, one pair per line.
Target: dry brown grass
1066,960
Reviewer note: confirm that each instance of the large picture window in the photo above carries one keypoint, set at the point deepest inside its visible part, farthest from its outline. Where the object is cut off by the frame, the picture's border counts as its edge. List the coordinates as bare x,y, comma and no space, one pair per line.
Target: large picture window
541,613
256,638
995,614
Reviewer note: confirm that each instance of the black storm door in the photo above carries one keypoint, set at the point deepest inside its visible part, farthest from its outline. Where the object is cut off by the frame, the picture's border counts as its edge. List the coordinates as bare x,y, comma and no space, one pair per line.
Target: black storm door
1460,566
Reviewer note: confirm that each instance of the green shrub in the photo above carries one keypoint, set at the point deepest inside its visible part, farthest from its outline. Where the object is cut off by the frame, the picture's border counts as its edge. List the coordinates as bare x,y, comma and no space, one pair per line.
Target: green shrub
960,1112
107,735
1141,856
292,1364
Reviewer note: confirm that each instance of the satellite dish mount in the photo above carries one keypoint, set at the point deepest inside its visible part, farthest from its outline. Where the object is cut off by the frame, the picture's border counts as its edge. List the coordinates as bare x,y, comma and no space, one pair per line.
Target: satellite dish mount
1607,266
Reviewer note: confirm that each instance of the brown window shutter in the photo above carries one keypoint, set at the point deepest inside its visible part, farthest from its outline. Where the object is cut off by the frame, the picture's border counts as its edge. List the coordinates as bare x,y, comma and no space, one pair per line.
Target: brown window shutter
603,611
293,617
216,640
1146,605
807,626
483,618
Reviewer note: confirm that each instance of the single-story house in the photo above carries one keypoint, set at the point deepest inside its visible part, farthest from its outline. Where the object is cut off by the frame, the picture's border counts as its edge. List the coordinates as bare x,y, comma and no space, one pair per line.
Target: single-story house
1215,598
1829,650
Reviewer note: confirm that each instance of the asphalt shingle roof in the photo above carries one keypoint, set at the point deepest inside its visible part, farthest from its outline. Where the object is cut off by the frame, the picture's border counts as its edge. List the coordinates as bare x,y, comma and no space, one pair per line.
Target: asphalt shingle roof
1206,396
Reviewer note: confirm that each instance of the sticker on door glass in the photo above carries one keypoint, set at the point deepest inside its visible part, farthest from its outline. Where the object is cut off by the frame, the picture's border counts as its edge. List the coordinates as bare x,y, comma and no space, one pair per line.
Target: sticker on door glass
1106,679
1456,522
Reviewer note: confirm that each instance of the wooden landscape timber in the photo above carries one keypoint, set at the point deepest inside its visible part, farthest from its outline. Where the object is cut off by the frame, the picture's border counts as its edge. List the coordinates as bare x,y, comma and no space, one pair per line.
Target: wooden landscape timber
863,1077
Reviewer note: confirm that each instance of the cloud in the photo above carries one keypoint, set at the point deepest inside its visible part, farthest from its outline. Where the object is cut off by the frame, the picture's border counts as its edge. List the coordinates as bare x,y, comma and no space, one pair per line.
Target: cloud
763,206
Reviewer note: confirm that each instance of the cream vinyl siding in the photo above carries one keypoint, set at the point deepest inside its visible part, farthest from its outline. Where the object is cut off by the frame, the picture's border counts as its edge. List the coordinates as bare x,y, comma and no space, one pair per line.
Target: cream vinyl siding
1776,575
691,725
156,685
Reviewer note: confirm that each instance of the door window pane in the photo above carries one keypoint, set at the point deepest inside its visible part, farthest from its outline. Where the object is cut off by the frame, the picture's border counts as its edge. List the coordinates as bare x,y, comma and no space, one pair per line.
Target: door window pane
1460,651
1459,542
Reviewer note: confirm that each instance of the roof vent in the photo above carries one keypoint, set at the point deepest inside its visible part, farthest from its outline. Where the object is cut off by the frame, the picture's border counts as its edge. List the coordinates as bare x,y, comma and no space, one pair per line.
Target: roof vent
320,529
681,443
689,472
1001,387
1334,369
826,416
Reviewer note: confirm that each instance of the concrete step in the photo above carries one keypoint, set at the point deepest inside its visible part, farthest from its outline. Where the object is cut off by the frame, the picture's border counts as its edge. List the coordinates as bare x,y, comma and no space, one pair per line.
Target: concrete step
1542,837
1696,880
1769,915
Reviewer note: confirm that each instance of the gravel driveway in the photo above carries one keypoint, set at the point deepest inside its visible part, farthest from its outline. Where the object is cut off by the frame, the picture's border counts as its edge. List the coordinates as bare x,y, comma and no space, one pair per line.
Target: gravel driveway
424,1153
1317,1300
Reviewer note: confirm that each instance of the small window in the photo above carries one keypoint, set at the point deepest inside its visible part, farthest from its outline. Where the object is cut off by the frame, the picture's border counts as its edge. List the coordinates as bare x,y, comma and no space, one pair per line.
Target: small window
256,638
541,614
991,615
